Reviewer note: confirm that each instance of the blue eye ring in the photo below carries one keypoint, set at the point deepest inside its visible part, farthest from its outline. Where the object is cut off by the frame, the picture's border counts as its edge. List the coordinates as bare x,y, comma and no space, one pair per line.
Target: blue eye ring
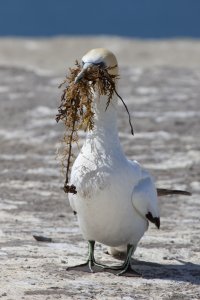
101,64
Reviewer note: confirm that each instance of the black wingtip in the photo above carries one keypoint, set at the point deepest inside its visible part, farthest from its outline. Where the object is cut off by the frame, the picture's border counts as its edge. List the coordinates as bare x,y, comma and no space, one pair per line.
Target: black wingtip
154,220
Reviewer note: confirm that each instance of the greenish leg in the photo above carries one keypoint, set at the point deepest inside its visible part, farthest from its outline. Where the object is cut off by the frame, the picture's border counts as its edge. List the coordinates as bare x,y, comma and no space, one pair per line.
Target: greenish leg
125,268
90,263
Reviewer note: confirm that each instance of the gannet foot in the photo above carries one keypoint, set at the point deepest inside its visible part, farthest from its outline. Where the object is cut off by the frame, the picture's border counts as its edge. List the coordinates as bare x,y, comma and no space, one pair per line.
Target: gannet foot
81,267
90,265
128,272
126,269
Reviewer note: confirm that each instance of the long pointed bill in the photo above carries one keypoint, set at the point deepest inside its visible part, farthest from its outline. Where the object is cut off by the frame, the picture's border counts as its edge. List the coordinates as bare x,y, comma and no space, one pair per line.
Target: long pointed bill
81,74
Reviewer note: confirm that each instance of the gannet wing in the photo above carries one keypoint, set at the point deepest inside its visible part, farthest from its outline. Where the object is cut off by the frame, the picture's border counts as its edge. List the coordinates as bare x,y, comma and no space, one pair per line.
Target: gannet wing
144,199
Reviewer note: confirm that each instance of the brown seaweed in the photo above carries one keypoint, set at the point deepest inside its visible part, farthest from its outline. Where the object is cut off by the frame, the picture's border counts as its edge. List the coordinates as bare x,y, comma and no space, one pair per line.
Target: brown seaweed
76,111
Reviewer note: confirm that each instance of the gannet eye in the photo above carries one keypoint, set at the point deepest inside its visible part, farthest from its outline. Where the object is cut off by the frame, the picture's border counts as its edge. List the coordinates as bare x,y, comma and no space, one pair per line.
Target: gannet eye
101,64
82,62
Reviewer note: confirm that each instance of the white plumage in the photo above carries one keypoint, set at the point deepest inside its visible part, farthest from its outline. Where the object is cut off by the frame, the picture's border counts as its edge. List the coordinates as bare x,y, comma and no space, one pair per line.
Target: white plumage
114,195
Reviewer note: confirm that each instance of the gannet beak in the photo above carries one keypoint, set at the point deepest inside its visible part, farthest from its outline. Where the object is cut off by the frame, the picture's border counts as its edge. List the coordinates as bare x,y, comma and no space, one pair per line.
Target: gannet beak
82,72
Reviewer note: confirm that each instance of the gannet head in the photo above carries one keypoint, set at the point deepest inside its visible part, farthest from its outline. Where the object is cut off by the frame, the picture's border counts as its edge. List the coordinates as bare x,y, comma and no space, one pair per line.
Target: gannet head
98,57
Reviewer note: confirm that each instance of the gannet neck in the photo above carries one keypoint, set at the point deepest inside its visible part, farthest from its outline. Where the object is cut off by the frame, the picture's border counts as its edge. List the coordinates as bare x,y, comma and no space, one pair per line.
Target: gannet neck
104,135
105,117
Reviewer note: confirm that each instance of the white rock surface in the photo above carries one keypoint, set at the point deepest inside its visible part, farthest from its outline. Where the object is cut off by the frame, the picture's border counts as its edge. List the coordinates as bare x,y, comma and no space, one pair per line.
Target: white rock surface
160,84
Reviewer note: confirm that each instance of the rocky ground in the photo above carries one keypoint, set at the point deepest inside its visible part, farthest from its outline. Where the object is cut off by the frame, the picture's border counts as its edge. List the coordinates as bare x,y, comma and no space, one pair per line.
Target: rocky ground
160,84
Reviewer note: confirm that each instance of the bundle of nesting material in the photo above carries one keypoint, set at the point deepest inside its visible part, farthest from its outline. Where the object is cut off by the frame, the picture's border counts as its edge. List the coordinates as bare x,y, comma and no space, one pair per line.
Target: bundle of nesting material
76,108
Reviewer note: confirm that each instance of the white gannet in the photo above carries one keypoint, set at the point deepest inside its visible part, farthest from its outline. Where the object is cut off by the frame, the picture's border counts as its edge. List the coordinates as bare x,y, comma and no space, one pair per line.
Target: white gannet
116,198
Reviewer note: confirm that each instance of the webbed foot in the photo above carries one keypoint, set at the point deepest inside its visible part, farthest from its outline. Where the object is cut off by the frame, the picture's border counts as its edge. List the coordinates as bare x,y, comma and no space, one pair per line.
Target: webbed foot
90,265
125,269
129,272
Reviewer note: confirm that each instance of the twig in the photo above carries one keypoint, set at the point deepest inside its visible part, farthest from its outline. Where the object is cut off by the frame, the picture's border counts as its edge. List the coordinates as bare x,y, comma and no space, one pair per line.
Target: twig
129,116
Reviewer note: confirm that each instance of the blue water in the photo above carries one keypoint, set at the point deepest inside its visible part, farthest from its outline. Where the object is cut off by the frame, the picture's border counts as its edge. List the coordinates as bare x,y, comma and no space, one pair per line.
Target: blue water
131,18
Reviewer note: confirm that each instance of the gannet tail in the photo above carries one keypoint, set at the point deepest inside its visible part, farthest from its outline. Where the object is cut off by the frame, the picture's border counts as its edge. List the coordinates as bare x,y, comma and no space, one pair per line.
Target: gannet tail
164,192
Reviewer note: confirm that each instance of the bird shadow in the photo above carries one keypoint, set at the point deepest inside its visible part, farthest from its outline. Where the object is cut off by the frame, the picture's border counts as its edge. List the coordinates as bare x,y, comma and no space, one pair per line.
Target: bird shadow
181,271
